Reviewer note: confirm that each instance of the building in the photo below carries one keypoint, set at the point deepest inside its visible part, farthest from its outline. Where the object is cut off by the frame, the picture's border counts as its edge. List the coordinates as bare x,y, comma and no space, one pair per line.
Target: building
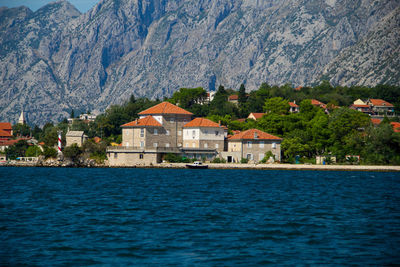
87,117
6,131
255,116
203,138
294,108
396,126
318,103
233,99
381,107
252,145
158,131
21,119
359,102
362,108
75,137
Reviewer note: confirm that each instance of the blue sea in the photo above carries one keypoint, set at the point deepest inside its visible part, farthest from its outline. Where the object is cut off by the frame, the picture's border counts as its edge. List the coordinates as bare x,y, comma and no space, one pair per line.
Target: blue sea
169,217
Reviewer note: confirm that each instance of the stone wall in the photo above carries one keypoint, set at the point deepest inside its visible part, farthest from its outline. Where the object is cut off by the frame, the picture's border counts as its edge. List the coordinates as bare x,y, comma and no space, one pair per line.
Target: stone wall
127,159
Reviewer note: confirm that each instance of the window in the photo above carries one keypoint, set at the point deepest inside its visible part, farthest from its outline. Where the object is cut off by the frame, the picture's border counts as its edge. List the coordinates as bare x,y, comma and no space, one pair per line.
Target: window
216,146
179,133
187,144
205,131
115,155
155,144
140,156
249,144
141,144
167,145
142,132
205,145
216,133
273,145
249,156
172,120
261,144
194,134
155,131
167,132
194,145
127,132
127,143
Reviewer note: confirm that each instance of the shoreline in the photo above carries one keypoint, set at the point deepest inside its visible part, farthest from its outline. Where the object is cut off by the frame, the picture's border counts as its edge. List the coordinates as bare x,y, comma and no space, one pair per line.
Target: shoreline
221,166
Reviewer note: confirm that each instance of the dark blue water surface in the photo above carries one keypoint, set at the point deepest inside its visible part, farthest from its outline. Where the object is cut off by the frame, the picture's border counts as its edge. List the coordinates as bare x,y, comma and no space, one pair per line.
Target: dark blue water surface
55,216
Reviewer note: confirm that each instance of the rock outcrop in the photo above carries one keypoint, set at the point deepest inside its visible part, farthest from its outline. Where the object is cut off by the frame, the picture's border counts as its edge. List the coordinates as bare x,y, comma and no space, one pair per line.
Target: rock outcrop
56,59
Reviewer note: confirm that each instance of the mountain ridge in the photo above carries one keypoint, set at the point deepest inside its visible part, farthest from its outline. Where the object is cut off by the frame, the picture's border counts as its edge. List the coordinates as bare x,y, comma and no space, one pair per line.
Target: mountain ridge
66,60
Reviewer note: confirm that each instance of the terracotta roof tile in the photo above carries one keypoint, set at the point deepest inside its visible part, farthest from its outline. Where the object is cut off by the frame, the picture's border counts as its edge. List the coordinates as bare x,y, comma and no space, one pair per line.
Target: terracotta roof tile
148,121
165,108
241,120
201,122
396,126
292,104
376,121
5,126
4,133
298,88
250,134
380,102
233,97
318,103
257,115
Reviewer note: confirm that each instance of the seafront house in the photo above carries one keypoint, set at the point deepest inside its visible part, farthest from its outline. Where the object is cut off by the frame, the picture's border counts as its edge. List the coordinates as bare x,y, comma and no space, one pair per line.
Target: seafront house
203,138
252,145
75,137
159,130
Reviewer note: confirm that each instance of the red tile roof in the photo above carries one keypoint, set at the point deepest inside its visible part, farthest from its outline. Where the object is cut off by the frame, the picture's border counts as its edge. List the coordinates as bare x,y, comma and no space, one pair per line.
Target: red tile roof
257,115
380,102
5,126
233,97
292,104
376,121
201,122
97,139
396,126
4,133
318,103
250,134
148,121
298,88
241,120
165,108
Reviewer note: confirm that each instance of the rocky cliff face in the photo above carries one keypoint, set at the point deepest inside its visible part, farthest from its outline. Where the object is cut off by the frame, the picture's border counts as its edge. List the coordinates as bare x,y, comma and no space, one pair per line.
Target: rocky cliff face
60,59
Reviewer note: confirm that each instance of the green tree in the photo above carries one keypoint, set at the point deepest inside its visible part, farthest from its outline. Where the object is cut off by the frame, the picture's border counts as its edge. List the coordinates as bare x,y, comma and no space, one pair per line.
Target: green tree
33,151
49,152
187,97
72,152
21,129
17,150
276,105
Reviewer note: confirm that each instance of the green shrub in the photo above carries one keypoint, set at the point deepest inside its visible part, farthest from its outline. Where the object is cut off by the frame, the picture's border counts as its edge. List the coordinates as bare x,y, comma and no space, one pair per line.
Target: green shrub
49,152
244,160
218,160
33,151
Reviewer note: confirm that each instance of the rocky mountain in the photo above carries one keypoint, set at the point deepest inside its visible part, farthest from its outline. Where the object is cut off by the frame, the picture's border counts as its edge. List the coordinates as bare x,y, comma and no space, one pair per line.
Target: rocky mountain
56,59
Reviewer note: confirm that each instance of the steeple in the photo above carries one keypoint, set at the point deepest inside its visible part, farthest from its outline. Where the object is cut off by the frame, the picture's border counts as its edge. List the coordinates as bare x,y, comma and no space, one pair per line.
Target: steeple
21,119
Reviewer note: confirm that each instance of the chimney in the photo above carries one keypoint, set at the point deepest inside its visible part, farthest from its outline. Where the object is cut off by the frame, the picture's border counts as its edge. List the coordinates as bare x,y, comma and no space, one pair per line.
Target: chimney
219,122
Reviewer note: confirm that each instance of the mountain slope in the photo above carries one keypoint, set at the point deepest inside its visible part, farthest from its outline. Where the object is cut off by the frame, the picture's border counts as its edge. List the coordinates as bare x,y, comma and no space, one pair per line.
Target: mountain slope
373,60
61,59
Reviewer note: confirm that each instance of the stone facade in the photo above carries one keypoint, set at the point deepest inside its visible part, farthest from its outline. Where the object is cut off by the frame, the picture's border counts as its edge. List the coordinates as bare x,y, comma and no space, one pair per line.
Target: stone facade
75,137
126,158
